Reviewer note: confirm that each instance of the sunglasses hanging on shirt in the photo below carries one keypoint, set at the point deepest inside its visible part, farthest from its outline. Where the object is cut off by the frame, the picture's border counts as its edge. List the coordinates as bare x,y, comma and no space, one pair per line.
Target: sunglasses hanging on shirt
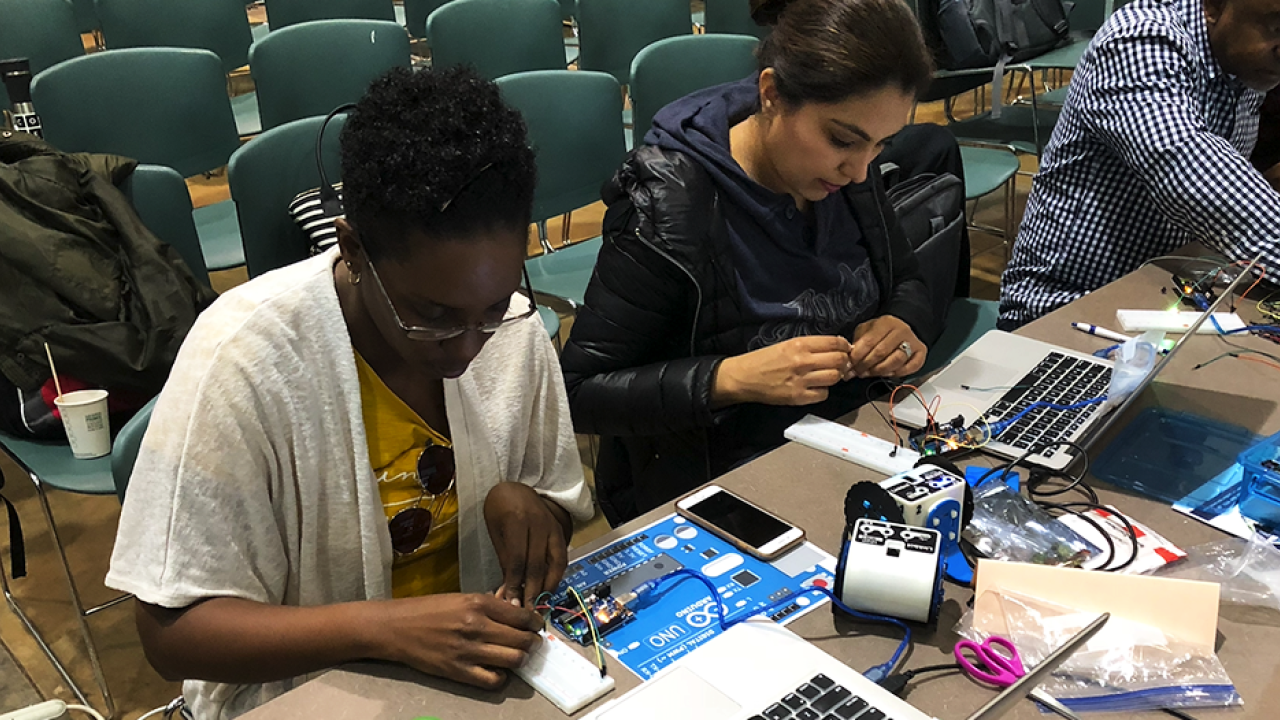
436,473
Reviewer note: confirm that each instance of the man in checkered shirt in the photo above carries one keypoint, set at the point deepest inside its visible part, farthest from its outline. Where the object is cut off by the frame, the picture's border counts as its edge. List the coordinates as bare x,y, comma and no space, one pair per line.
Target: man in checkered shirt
1151,151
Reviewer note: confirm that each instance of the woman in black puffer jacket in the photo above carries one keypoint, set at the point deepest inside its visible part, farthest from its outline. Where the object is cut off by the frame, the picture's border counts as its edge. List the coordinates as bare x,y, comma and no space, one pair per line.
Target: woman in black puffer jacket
752,268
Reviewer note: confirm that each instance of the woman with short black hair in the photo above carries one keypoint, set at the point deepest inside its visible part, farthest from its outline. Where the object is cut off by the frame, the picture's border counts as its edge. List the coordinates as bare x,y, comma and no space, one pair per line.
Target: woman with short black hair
353,452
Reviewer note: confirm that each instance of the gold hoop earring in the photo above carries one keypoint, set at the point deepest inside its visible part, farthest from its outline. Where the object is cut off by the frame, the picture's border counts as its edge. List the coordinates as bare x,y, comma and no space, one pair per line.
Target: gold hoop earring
353,277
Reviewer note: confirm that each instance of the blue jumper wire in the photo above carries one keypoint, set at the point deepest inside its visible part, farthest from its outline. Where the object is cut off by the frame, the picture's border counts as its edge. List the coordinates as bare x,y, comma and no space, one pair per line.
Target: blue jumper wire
1000,426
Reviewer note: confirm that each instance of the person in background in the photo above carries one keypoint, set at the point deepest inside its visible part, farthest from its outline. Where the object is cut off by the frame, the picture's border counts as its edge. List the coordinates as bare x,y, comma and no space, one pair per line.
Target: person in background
753,270
1266,154
1151,152
353,452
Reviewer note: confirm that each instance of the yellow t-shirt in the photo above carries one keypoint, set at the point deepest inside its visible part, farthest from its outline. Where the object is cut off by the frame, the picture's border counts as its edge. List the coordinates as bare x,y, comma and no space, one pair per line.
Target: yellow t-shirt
397,436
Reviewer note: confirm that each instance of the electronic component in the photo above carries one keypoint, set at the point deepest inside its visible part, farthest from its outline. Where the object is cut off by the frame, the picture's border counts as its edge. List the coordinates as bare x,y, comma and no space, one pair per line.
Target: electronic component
562,676
1196,292
947,437
651,569
606,611
852,445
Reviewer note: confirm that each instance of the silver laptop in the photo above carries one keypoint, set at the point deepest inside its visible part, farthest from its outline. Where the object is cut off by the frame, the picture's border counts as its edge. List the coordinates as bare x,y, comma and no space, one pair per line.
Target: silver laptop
1003,374
759,670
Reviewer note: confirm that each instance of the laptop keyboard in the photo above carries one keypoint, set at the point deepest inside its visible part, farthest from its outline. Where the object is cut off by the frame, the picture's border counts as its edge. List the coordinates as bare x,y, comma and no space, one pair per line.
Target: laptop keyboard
821,699
1058,379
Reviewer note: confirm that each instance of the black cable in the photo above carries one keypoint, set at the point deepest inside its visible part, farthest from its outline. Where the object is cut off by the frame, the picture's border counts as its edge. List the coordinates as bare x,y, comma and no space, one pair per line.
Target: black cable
1022,460
897,683
1177,713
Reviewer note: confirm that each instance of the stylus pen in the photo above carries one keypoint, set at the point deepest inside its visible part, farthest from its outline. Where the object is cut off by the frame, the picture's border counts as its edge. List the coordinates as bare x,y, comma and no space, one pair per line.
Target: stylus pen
1101,332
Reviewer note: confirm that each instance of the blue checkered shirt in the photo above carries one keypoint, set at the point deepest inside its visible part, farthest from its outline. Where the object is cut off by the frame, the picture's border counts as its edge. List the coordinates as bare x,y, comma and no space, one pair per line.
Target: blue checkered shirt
1151,152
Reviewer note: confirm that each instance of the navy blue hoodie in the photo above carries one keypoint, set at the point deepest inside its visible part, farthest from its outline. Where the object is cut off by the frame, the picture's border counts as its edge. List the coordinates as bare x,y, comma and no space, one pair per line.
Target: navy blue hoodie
797,275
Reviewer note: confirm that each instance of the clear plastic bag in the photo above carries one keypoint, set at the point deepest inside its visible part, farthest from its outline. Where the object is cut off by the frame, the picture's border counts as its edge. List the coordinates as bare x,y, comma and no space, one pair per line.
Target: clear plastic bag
1126,667
1134,360
1007,526
1247,571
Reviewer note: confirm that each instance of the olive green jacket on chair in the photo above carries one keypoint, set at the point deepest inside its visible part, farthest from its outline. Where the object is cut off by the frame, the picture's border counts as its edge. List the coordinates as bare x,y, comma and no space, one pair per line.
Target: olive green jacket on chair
80,271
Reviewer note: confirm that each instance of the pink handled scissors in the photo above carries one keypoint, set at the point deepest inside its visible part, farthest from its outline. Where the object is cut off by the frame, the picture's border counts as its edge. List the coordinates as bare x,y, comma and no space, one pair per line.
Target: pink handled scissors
996,662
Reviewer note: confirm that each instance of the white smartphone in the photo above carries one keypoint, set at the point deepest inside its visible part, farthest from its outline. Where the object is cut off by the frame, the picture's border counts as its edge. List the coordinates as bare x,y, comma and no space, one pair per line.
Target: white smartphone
749,527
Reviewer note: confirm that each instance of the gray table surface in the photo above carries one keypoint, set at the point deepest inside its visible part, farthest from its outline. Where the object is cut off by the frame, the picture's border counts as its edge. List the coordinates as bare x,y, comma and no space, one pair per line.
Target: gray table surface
808,487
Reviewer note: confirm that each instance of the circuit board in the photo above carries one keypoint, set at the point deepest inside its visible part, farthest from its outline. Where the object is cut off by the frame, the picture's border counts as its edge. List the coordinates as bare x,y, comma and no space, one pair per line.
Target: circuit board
680,615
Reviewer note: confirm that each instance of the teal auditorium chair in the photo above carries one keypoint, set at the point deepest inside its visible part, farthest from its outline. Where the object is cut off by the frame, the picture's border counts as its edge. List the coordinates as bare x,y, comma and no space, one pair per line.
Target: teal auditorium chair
310,68
732,17
86,16
220,26
160,197
192,130
986,170
51,466
497,37
46,32
416,13
283,13
124,450
575,127
265,175
669,69
611,32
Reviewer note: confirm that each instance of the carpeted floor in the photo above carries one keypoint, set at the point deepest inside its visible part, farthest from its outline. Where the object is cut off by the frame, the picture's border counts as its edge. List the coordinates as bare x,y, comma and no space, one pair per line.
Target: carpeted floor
16,689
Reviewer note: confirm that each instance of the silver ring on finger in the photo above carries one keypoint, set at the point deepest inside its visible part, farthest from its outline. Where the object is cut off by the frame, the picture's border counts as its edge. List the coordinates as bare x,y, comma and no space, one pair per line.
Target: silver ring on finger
906,349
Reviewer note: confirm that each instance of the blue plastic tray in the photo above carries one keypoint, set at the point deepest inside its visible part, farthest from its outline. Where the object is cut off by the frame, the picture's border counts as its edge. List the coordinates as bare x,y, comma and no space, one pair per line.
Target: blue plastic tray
1166,454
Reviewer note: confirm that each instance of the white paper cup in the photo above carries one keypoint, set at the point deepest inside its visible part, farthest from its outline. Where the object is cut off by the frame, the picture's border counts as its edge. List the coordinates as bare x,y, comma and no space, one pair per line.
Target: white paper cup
84,415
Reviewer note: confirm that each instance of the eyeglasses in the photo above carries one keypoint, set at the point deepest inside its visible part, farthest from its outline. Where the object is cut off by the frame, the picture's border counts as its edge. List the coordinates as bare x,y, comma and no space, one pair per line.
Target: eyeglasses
410,527
440,334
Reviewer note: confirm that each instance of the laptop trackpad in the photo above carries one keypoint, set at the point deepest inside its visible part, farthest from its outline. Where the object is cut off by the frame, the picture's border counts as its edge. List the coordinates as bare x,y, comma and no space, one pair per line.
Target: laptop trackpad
679,693
979,374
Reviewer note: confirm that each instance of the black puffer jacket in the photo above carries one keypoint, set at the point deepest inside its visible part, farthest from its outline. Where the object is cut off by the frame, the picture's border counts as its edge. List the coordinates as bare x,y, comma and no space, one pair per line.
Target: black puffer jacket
661,312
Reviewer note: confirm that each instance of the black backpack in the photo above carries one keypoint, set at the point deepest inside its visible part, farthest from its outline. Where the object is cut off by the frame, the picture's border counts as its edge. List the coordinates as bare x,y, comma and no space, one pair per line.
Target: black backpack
984,33
930,211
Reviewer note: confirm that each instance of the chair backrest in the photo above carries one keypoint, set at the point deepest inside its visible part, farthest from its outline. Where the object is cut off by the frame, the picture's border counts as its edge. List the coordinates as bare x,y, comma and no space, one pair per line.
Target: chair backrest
311,68
611,32
160,196
575,127
86,15
416,13
124,450
497,37
161,106
45,32
672,68
220,26
283,13
1088,15
732,17
265,175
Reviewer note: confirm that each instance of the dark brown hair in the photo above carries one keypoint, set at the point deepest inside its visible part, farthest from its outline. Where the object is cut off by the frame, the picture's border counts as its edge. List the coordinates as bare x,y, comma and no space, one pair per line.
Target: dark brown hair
828,50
